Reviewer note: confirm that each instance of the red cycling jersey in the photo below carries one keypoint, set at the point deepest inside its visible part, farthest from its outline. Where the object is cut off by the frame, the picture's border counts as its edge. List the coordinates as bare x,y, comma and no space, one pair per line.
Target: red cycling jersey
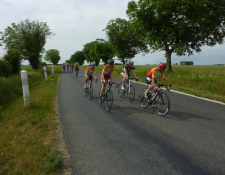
108,70
155,73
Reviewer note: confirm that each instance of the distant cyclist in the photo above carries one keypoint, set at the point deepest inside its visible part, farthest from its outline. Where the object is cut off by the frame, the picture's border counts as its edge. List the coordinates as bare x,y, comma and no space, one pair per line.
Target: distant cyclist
88,74
68,64
125,72
76,67
106,76
64,66
72,65
154,74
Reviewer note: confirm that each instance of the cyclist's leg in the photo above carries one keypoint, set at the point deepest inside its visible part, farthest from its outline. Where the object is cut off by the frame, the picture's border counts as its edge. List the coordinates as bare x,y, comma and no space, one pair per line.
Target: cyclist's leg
86,80
102,88
148,82
109,79
90,78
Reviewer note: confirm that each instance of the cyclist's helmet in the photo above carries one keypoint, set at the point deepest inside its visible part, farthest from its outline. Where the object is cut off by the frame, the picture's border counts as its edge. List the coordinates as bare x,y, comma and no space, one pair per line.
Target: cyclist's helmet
162,65
131,62
111,62
92,64
76,62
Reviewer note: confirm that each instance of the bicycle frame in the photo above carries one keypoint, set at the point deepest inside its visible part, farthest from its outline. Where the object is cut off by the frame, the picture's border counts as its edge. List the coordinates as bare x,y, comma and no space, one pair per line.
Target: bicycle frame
158,93
129,83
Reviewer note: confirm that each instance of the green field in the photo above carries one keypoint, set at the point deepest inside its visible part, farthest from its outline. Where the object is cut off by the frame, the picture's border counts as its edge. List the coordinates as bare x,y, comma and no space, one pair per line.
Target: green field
202,81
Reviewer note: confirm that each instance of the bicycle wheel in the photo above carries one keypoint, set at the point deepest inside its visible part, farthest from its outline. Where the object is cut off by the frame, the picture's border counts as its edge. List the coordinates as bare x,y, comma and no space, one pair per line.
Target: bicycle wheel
162,104
120,91
130,93
142,100
91,92
108,100
86,91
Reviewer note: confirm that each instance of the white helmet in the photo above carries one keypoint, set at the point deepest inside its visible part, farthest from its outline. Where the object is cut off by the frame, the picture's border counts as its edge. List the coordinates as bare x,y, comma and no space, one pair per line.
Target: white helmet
131,62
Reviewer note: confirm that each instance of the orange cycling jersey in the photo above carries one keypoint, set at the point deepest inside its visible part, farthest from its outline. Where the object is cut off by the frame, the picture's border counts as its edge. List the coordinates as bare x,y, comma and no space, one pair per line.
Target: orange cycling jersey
108,70
89,72
155,73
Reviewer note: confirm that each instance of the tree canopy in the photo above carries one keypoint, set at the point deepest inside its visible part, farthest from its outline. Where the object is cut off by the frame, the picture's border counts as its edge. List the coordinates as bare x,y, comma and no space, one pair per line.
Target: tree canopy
52,56
123,41
28,38
180,26
78,56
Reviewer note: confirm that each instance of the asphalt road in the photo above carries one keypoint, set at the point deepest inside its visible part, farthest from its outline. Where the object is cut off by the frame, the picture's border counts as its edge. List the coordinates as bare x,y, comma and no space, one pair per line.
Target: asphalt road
132,140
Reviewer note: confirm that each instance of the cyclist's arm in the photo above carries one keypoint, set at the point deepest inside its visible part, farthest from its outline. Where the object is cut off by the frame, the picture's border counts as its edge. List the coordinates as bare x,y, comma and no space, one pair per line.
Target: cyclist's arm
135,74
165,83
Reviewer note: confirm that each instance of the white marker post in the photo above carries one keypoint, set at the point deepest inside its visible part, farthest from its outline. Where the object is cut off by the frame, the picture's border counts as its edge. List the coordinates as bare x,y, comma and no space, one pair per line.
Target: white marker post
25,86
45,73
52,69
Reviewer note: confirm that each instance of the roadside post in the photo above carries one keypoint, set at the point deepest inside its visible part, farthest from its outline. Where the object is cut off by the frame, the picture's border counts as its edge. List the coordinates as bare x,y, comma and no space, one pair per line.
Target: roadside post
52,69
45,73
25,86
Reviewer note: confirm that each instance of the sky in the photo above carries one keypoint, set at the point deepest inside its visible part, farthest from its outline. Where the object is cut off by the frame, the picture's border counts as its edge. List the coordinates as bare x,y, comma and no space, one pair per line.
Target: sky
77,22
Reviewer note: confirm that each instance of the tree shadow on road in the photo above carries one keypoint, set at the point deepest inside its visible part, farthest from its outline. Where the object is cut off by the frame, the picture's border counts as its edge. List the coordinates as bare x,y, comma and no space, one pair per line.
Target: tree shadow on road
185,116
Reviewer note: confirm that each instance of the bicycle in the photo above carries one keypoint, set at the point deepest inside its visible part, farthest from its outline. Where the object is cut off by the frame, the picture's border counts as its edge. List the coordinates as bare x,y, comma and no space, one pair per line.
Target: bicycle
107,96
129,90
89,90
161,100
76,71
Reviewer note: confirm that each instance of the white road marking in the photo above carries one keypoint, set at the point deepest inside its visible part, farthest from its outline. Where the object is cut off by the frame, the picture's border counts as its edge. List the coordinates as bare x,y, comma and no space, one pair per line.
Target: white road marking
206,99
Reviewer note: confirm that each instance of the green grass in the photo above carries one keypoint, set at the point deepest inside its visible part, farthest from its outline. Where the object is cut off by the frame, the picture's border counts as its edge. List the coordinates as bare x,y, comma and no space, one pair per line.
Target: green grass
28,134
202,81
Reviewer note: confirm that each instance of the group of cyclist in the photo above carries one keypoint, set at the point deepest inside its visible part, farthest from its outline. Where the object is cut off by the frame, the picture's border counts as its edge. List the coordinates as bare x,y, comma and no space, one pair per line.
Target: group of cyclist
151,76
71,66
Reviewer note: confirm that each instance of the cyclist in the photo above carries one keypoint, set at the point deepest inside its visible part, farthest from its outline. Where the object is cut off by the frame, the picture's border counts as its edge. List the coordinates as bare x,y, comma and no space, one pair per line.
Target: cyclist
68,66
64,66
88,74
76,67
72,66
154,74
125,72
106,76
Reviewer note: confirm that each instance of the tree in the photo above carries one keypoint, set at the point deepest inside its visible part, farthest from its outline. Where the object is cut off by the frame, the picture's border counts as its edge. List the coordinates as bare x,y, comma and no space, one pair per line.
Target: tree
28,38
123,41
87,51
13,58
78,56
179,26
52,56
102,50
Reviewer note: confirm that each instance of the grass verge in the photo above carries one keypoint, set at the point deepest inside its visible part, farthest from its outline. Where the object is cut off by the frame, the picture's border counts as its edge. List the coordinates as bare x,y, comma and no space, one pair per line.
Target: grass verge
28,134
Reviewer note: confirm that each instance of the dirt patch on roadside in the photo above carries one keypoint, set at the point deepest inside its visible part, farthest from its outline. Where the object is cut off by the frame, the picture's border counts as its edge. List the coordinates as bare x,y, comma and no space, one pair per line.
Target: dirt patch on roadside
61,145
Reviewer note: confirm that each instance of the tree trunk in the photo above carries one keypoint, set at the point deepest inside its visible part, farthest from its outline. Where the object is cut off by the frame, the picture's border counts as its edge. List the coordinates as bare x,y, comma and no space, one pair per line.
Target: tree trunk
168,60
123,61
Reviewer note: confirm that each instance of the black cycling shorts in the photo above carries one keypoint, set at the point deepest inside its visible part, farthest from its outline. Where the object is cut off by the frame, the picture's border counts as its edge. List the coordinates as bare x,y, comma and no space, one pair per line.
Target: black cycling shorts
149,80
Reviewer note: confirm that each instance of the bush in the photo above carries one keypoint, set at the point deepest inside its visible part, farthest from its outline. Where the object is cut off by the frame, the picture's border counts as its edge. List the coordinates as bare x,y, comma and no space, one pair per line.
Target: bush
42,64
5,68
13,58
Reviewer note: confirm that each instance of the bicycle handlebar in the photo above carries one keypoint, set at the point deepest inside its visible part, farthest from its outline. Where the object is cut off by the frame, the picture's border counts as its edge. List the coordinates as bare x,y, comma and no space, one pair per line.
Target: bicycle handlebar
132,79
